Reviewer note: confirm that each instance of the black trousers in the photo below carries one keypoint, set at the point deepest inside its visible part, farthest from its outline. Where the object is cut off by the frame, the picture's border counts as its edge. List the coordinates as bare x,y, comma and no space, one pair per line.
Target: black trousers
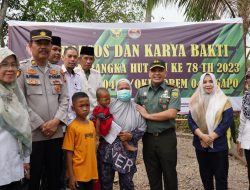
213,164
85,185
46,158
247,154
160,158
12,186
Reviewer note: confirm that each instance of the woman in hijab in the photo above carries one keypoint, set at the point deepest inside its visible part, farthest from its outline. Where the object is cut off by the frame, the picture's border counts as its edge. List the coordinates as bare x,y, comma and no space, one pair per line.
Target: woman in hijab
243,141
210,117
15,131
114,157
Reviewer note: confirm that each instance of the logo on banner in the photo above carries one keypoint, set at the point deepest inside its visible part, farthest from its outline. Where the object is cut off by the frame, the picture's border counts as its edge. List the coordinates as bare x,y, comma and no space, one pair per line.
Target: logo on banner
134,33
116,33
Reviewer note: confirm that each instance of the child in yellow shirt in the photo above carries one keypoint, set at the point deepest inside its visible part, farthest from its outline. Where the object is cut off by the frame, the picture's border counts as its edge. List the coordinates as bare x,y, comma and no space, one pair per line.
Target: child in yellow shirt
80,145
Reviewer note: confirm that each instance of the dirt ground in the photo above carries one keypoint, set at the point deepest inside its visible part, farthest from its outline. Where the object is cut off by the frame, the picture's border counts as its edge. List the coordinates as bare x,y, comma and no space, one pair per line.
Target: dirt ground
188,172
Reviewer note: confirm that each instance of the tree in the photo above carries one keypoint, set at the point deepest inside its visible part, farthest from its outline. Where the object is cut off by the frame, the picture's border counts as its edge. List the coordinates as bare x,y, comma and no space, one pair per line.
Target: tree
198,10
152,4
74,11
4,6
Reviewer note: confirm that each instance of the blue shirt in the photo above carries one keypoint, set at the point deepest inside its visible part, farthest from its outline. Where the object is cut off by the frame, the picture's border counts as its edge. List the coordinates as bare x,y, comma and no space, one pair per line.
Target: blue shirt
219,144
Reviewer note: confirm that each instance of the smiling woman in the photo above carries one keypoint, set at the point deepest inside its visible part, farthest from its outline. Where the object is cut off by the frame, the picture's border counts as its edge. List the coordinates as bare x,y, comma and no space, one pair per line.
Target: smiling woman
8,69
15,131
209,119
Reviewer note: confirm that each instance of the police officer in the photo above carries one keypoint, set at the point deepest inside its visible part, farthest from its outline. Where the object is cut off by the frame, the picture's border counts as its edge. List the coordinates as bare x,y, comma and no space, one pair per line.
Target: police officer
158,104
55,53
47,98
91,78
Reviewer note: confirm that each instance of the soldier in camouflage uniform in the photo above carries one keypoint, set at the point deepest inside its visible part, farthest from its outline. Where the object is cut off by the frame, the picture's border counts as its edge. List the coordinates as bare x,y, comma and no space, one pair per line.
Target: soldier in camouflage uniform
159,103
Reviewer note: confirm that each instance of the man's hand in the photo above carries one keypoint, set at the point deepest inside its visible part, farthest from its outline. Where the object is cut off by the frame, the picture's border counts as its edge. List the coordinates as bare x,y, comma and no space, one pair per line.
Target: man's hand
49,128
142,111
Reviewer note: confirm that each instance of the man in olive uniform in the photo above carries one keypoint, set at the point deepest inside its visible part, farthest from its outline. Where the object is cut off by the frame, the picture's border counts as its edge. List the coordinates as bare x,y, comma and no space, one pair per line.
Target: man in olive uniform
158,104
55,53
47,99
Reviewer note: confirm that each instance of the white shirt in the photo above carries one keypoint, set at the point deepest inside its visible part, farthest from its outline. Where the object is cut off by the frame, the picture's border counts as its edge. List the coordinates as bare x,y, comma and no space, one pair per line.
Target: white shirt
74,84
11,164
244,132
91,84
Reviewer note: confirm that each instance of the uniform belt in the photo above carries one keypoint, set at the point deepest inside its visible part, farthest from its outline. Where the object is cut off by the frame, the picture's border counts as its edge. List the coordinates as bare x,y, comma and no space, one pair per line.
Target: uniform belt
156,134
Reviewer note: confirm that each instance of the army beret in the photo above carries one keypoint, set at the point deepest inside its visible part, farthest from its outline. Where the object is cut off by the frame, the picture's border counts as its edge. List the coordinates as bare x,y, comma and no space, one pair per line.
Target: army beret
41,34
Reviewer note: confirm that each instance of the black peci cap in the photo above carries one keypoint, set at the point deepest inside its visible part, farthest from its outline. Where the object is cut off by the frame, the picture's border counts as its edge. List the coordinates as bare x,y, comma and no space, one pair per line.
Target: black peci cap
56,40
41,34
87,50
157,63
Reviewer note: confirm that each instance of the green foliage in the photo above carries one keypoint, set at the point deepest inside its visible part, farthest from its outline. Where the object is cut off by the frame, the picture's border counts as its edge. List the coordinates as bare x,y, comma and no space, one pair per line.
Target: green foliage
197,10
237,122
182,123
154,3
75,11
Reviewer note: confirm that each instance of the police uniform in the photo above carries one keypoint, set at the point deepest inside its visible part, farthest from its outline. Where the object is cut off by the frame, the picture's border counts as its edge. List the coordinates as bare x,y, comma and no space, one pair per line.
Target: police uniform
47,98
159,141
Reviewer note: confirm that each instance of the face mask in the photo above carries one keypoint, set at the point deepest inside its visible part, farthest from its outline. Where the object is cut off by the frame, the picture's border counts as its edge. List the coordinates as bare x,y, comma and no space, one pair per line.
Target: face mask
124,95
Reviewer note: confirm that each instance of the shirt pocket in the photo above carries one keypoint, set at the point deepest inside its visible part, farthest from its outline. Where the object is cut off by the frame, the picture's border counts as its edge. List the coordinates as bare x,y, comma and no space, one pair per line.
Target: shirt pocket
34,89
56,86
164,102
77,86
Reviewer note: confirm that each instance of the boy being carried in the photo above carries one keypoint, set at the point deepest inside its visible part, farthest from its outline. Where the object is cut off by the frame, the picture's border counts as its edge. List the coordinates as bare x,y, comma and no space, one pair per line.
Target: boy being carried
103,118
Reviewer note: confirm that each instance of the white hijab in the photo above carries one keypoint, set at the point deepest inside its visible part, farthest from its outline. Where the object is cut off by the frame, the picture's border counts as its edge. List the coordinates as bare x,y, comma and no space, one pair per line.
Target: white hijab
125,114
207,109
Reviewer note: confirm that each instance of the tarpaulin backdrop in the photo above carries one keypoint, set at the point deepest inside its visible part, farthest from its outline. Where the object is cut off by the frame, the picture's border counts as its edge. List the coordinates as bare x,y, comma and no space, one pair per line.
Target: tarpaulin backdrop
125,49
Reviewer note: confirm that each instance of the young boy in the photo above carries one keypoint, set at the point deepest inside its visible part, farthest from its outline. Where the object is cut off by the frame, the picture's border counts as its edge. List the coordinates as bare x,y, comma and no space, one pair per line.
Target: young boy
80,145
103,118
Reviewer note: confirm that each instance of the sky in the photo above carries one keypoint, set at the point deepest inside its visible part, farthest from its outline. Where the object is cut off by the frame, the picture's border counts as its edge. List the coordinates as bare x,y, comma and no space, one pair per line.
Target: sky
171,13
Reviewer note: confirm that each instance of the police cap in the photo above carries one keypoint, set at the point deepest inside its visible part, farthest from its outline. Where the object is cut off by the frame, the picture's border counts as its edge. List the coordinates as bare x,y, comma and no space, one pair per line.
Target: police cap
40,34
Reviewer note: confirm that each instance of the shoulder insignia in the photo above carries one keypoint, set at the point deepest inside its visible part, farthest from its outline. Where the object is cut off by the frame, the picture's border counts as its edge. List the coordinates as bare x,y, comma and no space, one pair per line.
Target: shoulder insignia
23,62
175,93
33,62
172,85
144,85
